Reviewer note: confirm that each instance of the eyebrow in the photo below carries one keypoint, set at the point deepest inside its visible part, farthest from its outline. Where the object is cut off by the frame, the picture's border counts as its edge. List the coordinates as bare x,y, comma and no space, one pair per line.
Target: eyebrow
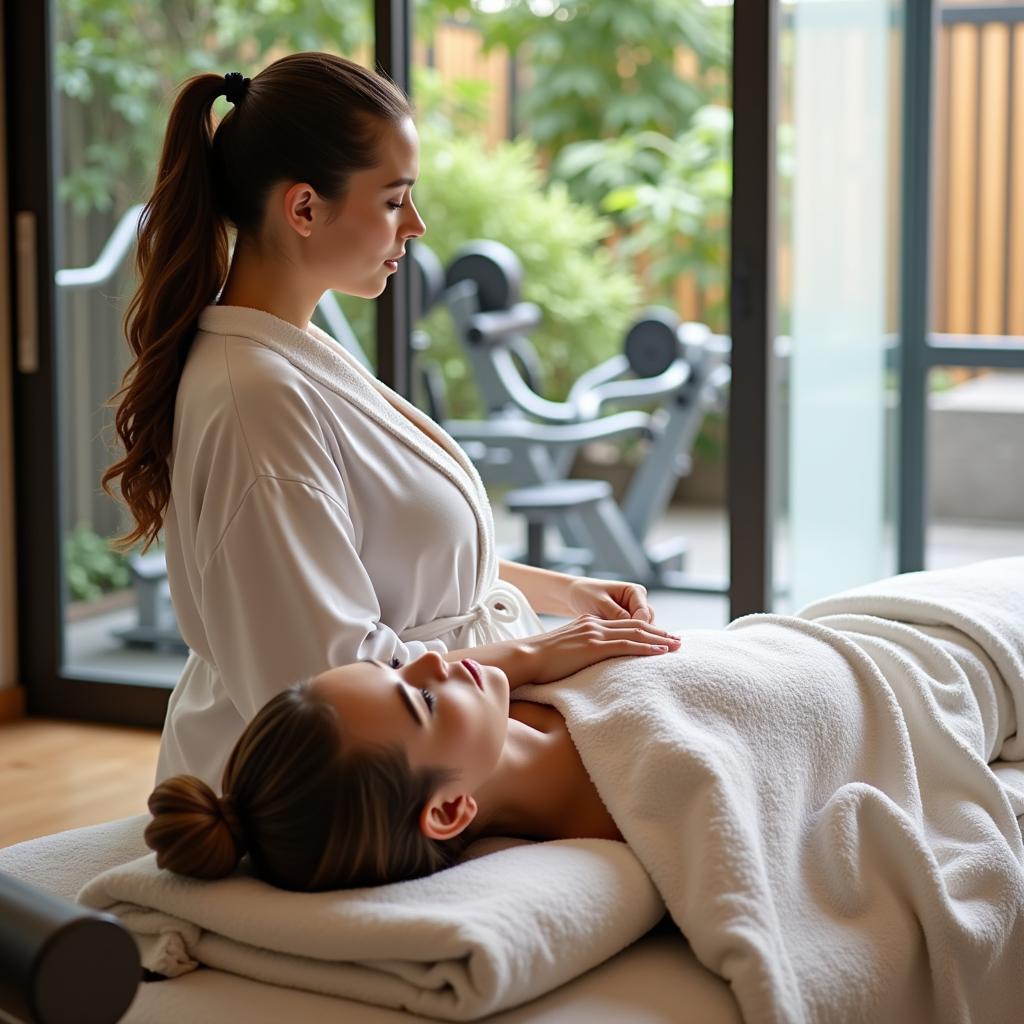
399,181
410,705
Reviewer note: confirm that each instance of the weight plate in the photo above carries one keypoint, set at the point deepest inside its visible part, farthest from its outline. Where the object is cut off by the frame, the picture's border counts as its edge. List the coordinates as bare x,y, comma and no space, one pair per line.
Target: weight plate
651,343
494,268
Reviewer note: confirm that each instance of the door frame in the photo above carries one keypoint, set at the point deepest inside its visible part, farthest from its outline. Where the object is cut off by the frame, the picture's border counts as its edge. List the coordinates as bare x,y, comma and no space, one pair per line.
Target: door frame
37,385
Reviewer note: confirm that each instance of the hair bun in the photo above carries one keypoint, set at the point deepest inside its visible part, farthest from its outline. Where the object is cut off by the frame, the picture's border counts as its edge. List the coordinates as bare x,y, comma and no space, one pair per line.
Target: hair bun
226,808
194,832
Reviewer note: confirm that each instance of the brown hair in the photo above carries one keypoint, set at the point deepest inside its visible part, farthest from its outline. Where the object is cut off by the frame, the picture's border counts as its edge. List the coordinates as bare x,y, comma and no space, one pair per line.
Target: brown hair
311,813
309,117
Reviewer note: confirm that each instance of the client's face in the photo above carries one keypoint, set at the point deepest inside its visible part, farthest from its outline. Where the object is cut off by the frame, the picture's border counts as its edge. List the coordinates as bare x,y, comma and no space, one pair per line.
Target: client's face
442,715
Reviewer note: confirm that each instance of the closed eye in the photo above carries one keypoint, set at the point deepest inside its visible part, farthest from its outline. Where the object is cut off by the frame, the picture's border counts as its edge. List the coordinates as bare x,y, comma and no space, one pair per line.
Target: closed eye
430,698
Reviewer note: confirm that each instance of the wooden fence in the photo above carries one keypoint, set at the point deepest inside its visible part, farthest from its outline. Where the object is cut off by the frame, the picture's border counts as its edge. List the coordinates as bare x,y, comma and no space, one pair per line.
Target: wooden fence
978,159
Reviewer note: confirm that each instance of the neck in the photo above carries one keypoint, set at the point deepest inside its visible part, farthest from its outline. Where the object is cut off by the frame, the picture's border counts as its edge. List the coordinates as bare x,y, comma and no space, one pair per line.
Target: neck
508,803
271,285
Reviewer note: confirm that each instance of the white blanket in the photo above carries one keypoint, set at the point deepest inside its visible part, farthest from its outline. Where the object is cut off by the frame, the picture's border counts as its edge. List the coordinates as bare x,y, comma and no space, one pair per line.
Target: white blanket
812,798
486,935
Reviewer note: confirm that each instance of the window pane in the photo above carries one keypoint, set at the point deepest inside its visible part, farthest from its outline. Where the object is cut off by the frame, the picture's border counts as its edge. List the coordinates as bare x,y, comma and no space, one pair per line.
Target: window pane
838,150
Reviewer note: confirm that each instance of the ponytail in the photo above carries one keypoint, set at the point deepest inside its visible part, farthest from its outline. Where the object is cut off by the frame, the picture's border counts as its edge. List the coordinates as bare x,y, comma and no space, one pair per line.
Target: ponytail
207,179
182,261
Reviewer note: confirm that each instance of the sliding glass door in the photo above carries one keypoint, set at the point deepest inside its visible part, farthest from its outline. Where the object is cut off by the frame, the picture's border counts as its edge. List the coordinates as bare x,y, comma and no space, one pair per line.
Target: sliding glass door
92,86
838,295
817,304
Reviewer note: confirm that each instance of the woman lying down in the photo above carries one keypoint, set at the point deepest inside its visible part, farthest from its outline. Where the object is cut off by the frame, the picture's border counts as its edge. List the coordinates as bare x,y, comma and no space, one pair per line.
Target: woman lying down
368,774
811,795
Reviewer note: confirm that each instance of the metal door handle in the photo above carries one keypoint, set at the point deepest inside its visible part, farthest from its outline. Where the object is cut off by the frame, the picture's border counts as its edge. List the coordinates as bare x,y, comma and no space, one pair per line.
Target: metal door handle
28,293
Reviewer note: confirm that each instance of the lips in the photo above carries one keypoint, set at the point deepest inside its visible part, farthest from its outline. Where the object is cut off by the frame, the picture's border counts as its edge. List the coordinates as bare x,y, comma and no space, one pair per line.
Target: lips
474,670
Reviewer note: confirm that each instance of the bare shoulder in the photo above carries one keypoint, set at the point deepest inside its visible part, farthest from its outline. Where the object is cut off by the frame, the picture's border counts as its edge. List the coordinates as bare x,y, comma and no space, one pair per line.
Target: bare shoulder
541,717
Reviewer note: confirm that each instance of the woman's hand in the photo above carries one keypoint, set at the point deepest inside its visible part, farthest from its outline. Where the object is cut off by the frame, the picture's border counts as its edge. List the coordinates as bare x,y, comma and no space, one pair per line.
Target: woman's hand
609,599
586,641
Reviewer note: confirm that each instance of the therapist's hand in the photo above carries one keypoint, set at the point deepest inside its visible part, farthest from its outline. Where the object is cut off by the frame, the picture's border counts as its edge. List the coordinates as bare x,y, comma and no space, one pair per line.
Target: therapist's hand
609,599
586,641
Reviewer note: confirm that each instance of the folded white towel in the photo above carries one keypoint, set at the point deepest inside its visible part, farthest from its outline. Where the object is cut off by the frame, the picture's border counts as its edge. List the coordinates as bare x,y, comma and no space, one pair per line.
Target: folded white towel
480,937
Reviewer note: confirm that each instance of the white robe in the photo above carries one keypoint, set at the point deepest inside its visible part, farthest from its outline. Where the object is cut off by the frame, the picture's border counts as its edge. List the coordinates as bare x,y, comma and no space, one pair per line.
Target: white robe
312,522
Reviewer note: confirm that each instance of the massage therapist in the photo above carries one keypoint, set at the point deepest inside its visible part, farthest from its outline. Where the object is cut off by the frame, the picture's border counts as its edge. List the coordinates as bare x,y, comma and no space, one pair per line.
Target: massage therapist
312,517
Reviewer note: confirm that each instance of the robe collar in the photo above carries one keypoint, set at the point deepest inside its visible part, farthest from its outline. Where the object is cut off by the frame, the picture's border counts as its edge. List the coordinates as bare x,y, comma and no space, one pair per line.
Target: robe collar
319,356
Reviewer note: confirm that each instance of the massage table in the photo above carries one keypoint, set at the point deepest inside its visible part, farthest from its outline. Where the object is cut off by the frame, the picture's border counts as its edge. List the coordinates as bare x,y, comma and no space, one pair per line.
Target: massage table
657,980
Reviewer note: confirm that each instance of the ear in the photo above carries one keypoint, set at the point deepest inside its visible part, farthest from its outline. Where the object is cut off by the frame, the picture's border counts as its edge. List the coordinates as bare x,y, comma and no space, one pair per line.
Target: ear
445,819
299,201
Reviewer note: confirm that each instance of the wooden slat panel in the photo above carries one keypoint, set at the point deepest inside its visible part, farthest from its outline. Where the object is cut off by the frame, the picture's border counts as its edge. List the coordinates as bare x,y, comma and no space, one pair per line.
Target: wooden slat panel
992,180
687,297
458,55
939,320
960,254
1015,303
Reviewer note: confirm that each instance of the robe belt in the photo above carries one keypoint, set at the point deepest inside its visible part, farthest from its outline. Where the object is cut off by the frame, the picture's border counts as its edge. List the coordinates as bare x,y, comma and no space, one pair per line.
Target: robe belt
502,604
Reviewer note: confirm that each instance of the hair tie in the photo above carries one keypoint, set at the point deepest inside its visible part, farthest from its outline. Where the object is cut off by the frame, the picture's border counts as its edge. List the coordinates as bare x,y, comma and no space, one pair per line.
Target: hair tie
226,807
235,86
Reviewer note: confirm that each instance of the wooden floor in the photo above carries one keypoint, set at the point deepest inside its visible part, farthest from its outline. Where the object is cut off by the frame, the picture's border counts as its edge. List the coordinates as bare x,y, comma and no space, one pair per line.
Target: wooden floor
58,775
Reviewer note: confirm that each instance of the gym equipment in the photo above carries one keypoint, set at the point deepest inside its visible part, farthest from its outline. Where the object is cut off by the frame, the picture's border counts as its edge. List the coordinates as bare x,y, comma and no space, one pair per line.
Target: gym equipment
156,625
616,534
493,325
680,366
506,448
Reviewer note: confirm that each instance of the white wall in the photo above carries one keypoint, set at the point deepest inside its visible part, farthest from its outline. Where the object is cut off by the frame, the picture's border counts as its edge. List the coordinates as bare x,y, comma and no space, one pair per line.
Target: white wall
8,596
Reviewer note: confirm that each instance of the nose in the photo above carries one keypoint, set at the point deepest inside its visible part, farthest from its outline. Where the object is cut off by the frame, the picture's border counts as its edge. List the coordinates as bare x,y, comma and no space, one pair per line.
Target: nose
427,668
414,225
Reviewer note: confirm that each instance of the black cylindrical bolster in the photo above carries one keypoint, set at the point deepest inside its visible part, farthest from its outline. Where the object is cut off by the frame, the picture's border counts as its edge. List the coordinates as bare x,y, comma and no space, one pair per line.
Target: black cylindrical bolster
61,963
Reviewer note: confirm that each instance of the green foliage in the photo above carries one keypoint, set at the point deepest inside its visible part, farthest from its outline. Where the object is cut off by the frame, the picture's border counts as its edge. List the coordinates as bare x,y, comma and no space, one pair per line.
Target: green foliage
91,566
119,62
603,68
596,68
670,196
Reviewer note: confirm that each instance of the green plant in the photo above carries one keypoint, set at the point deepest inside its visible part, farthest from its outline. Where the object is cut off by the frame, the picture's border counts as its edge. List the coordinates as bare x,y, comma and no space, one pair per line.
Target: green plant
91,567
669,196
117,67
118,63
604,68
